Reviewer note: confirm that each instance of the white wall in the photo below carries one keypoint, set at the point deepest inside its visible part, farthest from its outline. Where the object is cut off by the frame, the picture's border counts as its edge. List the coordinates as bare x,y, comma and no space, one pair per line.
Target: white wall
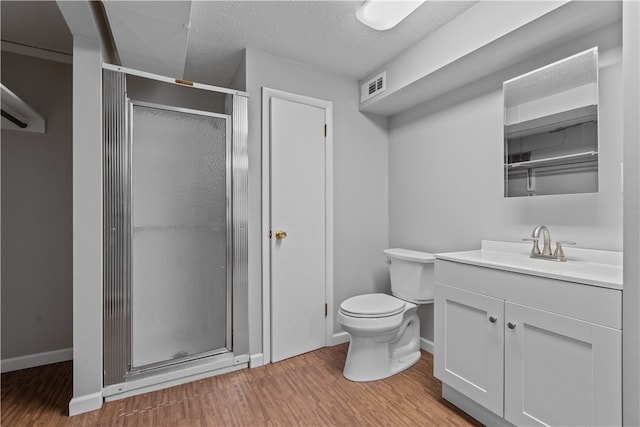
631,292
87,226
446,181
239,79
360,180
87,205
36,216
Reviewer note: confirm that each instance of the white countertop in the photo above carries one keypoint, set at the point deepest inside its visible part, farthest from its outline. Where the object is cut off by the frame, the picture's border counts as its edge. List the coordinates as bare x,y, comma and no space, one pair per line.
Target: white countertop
587,266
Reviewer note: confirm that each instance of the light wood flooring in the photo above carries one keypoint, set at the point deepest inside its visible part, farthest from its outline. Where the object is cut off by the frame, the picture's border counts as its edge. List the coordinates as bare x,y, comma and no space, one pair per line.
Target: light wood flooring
307,390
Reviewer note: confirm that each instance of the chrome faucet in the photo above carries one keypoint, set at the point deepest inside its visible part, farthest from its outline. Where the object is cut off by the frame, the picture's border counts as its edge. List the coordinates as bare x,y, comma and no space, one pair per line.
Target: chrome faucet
557,255
546,248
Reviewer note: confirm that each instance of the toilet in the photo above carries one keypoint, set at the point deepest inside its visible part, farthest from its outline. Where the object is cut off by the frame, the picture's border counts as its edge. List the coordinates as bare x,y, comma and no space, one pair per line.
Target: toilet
385,329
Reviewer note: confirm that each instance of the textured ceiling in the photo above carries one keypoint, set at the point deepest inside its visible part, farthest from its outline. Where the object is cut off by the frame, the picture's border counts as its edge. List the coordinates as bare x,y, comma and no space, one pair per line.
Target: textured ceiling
325,34
36,24
150,35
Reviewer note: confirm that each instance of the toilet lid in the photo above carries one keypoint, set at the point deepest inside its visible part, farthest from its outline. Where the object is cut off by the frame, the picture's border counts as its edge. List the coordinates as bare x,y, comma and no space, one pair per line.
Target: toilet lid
372,305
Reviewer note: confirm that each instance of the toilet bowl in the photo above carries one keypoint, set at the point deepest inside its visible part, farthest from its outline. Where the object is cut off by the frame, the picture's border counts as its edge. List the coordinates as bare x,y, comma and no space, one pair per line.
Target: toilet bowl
385,329
385,336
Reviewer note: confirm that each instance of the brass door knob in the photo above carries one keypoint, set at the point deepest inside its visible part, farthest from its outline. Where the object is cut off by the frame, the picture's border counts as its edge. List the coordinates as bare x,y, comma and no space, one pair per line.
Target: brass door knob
281,234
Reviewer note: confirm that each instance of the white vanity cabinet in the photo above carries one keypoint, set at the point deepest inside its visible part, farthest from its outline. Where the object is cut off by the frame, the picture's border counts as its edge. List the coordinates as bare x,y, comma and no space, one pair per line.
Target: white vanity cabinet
469,346
527,350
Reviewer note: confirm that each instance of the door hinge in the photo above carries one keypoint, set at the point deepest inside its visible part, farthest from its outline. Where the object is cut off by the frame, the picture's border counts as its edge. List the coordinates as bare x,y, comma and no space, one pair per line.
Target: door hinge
326,310
325,130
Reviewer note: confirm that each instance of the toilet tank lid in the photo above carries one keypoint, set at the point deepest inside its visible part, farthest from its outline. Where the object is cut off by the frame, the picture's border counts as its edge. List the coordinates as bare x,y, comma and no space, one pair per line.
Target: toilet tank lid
409,255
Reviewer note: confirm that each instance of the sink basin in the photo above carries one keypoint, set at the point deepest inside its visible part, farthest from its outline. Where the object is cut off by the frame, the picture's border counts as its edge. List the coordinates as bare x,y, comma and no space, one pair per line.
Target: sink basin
586,266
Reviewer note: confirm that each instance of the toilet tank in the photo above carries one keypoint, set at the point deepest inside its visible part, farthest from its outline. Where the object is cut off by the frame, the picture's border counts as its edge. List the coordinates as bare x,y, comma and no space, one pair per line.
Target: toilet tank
412,274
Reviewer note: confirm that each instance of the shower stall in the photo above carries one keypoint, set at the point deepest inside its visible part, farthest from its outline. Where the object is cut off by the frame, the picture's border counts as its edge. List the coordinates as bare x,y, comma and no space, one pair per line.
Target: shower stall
175,242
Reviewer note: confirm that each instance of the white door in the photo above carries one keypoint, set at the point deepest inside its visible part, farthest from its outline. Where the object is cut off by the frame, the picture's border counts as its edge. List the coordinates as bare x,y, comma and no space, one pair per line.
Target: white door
469,343
297,141
560,371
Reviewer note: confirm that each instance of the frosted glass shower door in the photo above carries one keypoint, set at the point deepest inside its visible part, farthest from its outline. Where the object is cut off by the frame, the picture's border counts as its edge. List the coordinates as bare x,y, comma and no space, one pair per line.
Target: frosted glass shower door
181,235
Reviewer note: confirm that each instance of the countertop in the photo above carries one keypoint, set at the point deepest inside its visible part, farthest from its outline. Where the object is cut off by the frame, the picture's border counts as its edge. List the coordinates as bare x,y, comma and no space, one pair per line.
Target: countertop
587,266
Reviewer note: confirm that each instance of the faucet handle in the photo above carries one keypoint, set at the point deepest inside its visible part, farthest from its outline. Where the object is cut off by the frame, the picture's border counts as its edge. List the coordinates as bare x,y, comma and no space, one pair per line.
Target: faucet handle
559,253
535,250
565,242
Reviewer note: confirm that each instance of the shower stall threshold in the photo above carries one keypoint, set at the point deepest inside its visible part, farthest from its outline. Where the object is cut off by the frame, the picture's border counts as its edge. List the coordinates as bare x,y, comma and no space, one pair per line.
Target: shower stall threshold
157,367
177,374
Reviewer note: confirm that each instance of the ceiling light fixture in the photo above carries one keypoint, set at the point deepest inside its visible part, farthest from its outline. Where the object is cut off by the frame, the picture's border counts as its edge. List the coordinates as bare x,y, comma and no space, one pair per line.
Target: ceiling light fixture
382,15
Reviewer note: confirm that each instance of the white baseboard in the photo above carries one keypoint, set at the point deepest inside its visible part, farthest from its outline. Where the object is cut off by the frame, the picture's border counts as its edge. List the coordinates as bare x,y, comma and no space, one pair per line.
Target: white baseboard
38,359
256,360
341,337
426,345
86,403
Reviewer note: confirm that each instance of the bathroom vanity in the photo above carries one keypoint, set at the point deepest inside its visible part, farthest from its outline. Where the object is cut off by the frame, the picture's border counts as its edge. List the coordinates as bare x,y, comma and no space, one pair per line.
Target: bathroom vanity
528,341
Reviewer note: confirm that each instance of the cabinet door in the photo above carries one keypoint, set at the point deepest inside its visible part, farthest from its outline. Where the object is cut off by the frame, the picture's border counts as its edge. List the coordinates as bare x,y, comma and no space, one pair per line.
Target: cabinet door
560,371
469,338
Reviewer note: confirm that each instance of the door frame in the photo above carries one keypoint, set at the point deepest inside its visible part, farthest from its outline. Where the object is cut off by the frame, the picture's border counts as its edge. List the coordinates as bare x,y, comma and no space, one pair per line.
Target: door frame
327,106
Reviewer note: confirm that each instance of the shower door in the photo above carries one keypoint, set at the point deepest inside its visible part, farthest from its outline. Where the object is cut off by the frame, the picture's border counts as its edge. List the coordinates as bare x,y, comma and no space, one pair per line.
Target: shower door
180,235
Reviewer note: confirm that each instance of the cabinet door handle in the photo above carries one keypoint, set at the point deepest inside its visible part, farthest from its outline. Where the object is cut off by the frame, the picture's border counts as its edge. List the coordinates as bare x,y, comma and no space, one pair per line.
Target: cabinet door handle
493,319
511,325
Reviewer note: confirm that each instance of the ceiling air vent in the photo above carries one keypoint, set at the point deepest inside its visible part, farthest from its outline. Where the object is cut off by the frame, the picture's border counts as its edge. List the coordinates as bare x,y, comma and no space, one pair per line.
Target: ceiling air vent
373,87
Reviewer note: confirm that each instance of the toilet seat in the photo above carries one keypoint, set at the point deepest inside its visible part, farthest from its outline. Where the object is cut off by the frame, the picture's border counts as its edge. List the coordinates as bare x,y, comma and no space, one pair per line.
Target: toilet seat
372,306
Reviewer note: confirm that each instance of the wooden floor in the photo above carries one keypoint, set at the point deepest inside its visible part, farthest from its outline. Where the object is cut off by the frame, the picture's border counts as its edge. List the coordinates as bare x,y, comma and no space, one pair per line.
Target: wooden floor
307,390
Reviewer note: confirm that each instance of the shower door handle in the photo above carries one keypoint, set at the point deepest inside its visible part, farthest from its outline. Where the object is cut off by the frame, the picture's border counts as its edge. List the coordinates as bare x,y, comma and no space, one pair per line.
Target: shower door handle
281,234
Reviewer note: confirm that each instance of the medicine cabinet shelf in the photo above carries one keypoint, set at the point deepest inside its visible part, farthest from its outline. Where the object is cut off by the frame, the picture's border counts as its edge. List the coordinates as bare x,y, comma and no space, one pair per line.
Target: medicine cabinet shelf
557,160
18,115
553,122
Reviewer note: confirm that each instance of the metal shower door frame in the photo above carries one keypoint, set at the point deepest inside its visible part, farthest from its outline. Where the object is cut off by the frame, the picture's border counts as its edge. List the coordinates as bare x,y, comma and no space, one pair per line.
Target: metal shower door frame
131,103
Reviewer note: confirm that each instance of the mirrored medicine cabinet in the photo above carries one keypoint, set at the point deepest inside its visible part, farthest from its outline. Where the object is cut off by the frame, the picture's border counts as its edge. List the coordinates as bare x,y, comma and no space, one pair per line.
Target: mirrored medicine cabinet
551,128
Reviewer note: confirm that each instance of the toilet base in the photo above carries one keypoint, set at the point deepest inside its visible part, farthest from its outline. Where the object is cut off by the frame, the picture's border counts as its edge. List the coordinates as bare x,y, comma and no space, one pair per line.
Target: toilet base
376,369
405,362
374,358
